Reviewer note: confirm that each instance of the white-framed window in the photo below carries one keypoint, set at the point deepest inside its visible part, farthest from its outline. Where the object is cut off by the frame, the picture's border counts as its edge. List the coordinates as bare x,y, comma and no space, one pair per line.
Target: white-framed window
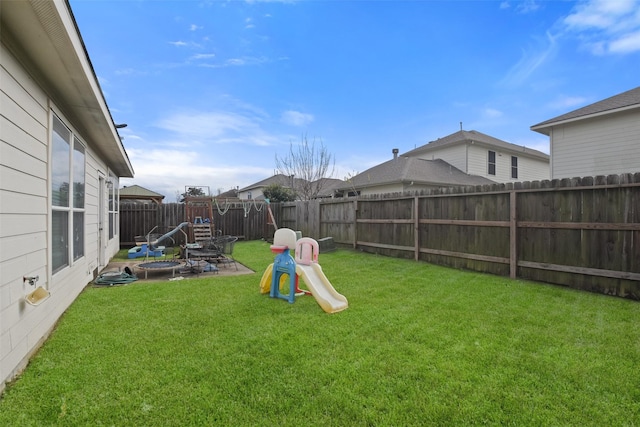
491,166
113,207
514,167
67,196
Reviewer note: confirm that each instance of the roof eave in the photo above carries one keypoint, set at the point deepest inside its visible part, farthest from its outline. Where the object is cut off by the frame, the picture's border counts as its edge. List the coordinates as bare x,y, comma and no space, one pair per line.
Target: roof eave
54,45
545,127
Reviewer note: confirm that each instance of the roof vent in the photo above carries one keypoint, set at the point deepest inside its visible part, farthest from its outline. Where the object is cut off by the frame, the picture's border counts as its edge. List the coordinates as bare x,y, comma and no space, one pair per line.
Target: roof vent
395,152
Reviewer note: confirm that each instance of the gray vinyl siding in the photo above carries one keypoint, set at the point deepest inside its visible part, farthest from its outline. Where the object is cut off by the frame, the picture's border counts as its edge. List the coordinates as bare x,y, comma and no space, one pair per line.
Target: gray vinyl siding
599,146
529,168
479,161
25,220
454,155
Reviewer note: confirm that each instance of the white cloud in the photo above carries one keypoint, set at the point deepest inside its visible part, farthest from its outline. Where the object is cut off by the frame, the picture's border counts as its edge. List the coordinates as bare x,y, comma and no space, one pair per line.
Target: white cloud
606,26
527,6
564,102
217,128
601,14
204,56
522,6
195,27
220,149
626,44
296,118
179,43
492,113
530,61
169,171
238,62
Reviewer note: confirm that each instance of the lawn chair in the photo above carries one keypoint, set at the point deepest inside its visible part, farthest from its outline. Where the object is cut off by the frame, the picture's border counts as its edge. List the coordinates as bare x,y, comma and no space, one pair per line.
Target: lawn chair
226,244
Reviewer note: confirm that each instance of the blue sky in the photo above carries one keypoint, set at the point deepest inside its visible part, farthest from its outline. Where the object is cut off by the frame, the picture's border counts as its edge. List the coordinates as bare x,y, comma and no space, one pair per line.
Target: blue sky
212,91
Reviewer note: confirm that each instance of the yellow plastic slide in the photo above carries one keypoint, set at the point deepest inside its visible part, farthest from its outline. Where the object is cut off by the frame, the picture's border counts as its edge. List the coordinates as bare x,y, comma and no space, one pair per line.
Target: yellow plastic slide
267,276
321,289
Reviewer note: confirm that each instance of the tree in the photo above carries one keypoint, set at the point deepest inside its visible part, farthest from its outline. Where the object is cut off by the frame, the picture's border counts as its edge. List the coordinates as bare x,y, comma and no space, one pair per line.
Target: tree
308,165
192,192
277,193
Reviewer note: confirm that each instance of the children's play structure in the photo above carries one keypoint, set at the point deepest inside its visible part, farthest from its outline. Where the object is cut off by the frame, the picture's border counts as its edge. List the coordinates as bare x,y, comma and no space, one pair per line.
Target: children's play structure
151,248
202,247
304,265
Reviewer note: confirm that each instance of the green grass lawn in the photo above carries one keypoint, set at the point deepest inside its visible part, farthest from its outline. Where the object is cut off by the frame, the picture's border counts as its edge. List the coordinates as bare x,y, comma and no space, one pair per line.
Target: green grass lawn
418,345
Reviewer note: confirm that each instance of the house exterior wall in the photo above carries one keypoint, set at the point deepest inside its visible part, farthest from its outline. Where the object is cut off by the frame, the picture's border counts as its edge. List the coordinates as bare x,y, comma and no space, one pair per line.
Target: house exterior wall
26,113
254,193
478,163
603,145
473,160
532,169
455,155
529,168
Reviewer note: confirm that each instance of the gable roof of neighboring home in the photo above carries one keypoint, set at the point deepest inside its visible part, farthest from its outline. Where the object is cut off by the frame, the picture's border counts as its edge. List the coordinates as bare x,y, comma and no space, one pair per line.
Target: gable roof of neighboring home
38,33
419,171
329,186
229,194
472,137
275,179
138,192
622,102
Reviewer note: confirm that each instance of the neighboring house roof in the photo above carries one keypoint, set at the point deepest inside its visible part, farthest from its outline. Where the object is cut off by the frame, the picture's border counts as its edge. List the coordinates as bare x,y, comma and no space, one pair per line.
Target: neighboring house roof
467,137
625,101
280,179
140,193
40,32
230,194
419,171
329,186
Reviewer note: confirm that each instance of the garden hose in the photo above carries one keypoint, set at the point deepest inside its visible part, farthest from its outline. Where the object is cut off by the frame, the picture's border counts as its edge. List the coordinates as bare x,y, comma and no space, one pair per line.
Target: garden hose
111,278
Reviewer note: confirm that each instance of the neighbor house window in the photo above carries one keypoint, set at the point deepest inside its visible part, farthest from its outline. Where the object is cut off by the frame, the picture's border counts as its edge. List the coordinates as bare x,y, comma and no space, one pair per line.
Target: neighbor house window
514,167
492,163
67,196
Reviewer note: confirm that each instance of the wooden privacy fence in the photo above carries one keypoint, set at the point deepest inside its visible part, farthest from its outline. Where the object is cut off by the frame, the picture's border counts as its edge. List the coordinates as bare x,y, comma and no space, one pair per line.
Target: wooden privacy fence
248,220
580,232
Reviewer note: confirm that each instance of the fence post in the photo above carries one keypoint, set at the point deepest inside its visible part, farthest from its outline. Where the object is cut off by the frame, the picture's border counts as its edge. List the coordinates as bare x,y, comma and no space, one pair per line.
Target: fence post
355,224
416,227
513,230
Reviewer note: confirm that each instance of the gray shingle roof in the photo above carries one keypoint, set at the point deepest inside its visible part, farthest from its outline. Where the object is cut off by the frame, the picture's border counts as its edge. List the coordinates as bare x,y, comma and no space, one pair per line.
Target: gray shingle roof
280,179
626,100
407,169
463,136
329,185
135,191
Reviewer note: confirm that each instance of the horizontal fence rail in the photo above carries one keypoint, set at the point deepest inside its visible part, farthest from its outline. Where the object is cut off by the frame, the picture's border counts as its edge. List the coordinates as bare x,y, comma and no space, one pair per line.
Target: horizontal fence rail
582,232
